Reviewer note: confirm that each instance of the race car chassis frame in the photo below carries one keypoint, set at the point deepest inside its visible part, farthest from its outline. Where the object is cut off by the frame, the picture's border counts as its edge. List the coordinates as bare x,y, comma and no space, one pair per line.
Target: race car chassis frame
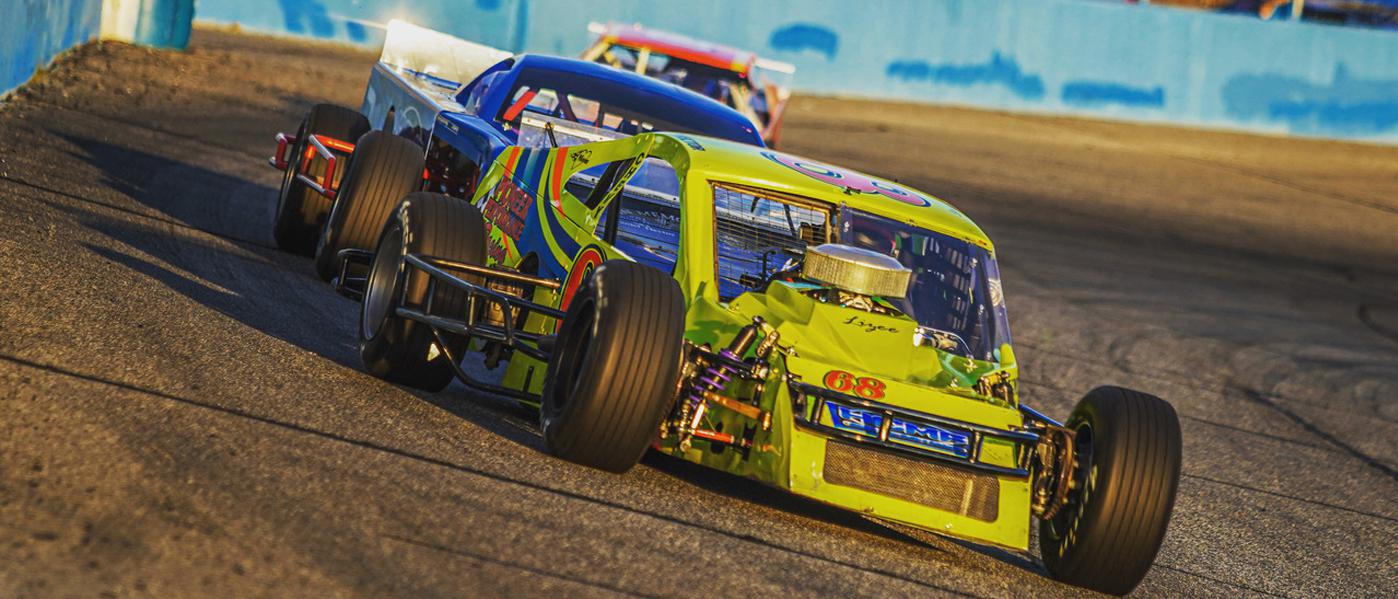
330,149
1044,447
479,298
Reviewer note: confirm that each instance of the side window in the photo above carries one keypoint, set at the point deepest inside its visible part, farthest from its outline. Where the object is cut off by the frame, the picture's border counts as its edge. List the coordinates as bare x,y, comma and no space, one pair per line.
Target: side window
531,105
525,98
641,215
619,57
759,231
477,94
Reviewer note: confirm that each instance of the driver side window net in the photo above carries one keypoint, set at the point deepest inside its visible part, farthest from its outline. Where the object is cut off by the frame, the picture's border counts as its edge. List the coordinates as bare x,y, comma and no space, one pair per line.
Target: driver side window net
759,231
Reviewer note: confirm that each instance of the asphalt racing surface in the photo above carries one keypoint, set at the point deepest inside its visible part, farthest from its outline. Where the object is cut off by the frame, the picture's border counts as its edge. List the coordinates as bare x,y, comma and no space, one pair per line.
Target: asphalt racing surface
182,412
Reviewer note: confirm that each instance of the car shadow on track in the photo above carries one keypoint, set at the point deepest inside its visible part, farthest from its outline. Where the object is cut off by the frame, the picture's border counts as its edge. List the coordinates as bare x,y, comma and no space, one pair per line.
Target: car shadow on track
210,249
206,242
758,494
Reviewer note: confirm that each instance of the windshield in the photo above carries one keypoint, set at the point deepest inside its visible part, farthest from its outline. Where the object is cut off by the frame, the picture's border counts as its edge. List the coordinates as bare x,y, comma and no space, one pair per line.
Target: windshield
956,284
616,107
538,131
955,295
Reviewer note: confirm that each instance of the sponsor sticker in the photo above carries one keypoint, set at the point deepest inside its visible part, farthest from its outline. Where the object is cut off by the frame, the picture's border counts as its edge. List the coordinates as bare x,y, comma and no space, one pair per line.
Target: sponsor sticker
902,431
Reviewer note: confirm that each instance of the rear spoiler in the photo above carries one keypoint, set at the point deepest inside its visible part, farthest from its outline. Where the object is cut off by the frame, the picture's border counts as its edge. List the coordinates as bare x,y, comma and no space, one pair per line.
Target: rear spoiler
437,54
785,68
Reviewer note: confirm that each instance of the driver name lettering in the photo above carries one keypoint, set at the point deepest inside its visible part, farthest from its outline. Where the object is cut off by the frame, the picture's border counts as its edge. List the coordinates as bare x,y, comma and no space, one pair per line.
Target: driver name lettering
868,327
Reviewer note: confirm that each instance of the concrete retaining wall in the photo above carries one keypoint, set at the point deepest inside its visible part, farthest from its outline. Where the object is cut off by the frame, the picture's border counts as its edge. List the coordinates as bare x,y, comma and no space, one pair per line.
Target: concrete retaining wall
33,32
1077,57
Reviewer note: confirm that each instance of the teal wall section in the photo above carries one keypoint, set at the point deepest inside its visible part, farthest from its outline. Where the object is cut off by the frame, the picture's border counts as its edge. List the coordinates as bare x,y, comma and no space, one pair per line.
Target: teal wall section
164,23
33,32
1080,57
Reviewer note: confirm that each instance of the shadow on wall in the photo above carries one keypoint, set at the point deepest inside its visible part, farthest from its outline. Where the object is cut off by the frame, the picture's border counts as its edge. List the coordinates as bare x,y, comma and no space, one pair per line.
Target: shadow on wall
1346,104
804,36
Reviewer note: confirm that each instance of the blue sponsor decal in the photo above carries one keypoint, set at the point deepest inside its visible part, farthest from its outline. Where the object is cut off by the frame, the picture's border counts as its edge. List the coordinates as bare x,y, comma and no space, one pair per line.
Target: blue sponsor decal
927,436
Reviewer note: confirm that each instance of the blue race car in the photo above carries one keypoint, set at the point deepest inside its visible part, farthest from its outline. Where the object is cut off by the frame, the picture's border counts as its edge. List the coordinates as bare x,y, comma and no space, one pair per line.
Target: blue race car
420,128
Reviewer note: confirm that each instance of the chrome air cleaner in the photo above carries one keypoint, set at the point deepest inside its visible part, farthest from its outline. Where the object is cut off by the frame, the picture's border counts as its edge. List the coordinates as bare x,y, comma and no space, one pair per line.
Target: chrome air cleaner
856,270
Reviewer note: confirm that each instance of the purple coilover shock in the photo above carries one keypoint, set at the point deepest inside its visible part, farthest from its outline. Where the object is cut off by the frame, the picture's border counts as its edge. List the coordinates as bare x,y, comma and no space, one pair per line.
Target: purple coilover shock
716,376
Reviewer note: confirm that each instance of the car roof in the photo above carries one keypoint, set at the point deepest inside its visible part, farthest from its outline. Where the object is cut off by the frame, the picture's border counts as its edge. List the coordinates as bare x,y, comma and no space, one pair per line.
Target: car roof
638,86
682,47
724,161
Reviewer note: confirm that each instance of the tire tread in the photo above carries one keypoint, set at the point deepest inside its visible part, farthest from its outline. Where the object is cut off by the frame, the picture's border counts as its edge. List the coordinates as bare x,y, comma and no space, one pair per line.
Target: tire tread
1136,448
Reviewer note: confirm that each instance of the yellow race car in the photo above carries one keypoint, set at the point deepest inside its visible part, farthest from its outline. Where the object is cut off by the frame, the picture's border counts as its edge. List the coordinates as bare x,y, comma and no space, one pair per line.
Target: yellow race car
814,328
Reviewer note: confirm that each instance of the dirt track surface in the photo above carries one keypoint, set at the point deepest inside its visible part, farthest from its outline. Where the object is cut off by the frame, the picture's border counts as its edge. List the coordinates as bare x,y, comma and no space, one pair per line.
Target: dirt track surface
182,412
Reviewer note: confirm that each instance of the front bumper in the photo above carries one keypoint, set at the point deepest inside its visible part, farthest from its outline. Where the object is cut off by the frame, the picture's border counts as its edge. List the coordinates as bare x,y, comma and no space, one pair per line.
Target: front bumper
914,468
916,434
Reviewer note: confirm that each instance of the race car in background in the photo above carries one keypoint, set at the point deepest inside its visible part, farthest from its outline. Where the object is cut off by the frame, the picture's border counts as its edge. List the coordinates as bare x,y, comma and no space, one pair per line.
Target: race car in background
757,87
436,112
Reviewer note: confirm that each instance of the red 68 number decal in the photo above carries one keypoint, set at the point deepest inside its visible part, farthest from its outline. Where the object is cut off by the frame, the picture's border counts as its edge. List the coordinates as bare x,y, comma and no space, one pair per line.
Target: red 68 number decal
862,386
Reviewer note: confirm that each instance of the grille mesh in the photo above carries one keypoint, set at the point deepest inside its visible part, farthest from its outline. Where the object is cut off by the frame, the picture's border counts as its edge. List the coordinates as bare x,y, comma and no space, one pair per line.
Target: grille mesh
926,483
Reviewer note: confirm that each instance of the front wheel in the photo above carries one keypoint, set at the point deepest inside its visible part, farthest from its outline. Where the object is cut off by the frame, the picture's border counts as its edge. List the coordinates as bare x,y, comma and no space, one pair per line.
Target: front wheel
1128,467
613,374
399,349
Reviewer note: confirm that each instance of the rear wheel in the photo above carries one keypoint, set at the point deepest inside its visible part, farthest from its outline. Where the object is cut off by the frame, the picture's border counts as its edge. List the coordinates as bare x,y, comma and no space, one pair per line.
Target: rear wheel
300,209
398,349
1128,467
613,373
383,169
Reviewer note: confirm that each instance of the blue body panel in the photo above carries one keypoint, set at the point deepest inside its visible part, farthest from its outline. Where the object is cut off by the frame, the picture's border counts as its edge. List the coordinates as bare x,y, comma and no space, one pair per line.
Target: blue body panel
614,87
466,117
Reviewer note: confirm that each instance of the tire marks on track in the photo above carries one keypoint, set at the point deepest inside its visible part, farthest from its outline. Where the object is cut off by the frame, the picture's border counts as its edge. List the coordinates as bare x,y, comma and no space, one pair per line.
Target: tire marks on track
1366,316
1310,427
464,469
1268,401
479,557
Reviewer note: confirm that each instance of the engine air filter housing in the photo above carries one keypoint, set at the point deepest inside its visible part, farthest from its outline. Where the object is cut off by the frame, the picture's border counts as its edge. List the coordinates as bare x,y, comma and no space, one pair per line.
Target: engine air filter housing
857,270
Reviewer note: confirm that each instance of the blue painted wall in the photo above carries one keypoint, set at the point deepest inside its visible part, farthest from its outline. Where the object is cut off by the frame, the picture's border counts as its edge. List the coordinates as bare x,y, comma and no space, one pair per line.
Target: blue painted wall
33,32
164,24
1081,57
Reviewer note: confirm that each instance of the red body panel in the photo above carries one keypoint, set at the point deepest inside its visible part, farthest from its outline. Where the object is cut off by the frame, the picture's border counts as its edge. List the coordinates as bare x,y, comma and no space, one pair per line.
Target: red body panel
682,47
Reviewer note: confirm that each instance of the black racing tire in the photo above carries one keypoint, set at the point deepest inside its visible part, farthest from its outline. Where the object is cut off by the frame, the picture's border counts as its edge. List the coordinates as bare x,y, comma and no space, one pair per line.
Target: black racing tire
1128,468
383,169
614,371
300,209
396,349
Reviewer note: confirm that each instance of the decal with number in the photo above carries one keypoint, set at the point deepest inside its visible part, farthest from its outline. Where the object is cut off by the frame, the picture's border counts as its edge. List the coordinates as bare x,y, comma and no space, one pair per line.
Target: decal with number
862,386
